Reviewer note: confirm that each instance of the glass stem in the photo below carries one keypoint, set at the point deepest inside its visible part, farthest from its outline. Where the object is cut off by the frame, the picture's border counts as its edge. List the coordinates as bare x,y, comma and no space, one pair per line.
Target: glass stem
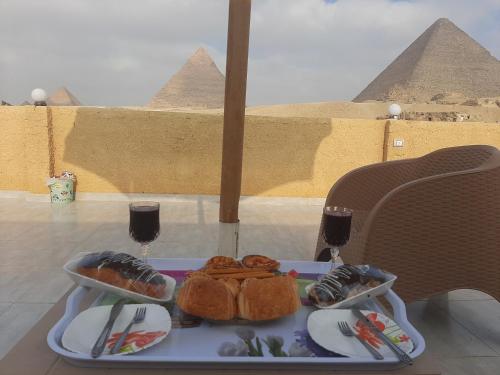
334,251
145,252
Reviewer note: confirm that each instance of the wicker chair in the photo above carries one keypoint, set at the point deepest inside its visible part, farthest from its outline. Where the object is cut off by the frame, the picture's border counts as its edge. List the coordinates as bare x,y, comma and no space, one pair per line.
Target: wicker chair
434,221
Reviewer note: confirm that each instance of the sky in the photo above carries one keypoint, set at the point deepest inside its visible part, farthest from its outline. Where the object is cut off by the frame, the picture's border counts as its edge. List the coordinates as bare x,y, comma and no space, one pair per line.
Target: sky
121,52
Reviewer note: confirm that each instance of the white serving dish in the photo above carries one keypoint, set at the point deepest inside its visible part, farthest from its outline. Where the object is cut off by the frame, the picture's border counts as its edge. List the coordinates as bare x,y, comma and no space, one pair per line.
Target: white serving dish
363,296
70,269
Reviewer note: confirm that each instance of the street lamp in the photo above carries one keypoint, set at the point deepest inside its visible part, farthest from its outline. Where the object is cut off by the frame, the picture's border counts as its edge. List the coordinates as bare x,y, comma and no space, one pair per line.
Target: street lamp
39,96
394,110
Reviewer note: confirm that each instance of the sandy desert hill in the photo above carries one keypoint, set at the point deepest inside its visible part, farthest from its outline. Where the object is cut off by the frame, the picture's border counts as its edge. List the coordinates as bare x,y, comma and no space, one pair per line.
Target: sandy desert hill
486,111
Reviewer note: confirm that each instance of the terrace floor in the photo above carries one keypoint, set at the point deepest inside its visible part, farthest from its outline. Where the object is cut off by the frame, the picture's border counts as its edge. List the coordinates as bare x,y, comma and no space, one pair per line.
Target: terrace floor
462,328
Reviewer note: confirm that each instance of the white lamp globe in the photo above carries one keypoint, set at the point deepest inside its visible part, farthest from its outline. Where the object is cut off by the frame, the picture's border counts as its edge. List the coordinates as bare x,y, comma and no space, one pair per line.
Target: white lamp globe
394,109
39,95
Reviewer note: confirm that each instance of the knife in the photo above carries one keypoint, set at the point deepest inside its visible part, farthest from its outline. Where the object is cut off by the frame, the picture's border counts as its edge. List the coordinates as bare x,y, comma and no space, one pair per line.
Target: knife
403,357
100,344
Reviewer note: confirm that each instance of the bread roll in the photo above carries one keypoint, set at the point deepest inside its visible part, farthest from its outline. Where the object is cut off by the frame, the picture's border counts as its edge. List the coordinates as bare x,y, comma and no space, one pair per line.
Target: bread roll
207,298
265,299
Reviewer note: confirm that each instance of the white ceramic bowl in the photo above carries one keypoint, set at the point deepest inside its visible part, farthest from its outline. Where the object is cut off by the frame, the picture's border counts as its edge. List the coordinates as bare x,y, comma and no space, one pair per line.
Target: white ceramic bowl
70,269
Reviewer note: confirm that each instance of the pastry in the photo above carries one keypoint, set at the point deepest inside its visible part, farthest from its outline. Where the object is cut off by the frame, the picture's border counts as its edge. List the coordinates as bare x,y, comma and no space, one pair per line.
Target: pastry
343,282
226,289
234,286
265,299
208,298
124,271
220,261
261,262
244,275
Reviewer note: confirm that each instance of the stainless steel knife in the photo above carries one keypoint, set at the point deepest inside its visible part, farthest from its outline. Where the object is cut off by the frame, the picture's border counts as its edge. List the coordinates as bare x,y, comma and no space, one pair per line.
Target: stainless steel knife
100,344
403,357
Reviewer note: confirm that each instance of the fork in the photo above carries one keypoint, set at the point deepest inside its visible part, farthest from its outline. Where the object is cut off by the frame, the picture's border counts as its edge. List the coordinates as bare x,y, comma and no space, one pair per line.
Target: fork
139,316
347,331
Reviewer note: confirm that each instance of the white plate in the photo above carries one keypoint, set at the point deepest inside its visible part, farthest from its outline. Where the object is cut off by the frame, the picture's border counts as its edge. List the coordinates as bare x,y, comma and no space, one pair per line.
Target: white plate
323,329
70,269
82,333
361,297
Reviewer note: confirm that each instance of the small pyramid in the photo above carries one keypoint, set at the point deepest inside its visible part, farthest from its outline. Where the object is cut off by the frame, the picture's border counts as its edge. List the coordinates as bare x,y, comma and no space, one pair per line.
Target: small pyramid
198,84
63,97
444,59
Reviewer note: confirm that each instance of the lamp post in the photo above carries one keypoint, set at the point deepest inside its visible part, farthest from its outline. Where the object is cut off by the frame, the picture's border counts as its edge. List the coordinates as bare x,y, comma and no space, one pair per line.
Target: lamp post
395,110
39,97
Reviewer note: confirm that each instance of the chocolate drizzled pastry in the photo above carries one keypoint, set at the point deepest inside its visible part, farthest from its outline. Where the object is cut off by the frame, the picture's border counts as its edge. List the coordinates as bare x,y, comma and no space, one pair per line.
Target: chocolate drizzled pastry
341,283
123,270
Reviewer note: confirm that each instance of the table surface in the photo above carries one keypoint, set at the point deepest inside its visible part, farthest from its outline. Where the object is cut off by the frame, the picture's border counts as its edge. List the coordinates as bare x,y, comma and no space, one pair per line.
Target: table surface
33,356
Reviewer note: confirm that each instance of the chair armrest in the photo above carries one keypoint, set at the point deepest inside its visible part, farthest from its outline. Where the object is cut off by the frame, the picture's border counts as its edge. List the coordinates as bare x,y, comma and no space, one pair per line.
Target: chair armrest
362,188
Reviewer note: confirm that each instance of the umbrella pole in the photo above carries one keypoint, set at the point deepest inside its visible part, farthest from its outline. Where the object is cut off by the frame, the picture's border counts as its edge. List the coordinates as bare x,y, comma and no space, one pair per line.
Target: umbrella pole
234,116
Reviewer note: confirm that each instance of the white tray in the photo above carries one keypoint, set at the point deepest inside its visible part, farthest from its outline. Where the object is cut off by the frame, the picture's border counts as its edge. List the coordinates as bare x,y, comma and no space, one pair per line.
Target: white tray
197,347
70,269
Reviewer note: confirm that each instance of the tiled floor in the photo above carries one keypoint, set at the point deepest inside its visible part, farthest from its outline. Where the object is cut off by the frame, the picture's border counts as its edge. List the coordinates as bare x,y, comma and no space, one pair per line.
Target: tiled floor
462,329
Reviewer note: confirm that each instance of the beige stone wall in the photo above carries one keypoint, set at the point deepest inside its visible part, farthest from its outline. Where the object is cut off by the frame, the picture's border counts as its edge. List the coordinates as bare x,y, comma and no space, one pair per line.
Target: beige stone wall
24,161
120,150
422,137
304,156
115,150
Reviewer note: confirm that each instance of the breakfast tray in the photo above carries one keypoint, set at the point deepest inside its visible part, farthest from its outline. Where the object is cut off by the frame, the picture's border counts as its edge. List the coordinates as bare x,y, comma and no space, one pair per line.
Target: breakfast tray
206,344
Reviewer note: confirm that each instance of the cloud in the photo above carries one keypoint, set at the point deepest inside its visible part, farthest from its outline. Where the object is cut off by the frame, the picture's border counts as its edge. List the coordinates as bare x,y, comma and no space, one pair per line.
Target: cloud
120,52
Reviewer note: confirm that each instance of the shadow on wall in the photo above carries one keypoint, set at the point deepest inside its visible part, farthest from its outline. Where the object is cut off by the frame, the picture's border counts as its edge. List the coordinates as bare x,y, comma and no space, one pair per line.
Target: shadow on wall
129,151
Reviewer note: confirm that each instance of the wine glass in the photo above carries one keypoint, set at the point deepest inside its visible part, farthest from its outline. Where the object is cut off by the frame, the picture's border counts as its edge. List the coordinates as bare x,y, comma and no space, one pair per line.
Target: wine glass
336,229
144,224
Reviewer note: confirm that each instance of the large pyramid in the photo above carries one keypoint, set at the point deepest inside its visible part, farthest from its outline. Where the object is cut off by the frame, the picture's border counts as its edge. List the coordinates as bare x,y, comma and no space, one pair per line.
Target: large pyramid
62,97
443,60
199,84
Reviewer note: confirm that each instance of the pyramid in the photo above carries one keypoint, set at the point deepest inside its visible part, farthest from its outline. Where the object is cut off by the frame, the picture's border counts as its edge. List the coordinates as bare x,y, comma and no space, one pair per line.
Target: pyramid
198,84
444,59
62,97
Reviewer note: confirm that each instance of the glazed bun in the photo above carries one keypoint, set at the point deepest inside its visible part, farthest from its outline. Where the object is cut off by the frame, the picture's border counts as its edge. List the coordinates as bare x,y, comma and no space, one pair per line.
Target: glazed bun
207,298
266,299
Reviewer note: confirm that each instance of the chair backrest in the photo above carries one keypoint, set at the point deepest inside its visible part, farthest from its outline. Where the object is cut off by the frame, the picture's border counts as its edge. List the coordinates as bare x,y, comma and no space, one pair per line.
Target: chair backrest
453,159
440,233
364,187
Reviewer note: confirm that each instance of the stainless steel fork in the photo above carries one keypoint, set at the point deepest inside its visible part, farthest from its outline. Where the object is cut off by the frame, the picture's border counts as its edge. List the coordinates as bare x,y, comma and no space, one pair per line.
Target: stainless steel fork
347,331
139,316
